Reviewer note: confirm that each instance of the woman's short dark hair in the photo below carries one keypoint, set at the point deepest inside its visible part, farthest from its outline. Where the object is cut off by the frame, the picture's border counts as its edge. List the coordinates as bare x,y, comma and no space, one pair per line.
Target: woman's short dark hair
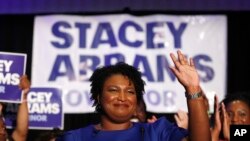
242,96
101,74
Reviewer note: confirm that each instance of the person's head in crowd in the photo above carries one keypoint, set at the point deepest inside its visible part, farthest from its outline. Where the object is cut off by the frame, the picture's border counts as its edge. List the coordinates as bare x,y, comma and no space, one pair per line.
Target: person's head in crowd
237,106
140,113
116,90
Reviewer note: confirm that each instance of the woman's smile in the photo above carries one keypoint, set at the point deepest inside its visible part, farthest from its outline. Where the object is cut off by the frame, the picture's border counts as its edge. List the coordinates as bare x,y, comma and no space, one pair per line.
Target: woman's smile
118,98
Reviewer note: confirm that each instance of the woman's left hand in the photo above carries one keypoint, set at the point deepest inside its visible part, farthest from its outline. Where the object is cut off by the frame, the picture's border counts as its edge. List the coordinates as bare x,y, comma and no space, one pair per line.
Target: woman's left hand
185,71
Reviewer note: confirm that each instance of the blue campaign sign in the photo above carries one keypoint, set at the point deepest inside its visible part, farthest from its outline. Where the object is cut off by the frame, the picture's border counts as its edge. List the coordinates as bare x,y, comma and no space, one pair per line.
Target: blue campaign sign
12,67
45,109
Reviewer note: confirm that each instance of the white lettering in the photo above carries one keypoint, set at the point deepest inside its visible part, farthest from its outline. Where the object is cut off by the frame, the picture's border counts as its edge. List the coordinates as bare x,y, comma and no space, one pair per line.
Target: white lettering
5,65
39,97
243,131
9,79
239,132
48,96
40,118
44,108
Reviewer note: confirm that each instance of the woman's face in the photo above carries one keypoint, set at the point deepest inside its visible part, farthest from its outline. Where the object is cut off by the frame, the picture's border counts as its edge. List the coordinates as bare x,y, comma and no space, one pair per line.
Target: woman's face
239,112
118,98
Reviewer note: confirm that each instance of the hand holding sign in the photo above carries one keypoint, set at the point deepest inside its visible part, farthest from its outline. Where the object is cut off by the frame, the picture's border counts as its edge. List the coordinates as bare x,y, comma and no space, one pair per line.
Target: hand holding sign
22,124
22,116
25,86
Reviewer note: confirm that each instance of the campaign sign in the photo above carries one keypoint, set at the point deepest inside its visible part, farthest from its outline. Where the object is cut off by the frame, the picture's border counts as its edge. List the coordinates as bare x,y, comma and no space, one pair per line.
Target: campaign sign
45,109
239,132
12,67
75,46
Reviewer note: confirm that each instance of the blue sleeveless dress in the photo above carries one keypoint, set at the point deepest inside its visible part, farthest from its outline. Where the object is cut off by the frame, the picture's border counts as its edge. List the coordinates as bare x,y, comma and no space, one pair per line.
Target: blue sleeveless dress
161,130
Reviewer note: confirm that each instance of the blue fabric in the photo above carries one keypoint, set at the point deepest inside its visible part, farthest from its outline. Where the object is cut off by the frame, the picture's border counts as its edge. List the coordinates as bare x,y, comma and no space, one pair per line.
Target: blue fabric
161,130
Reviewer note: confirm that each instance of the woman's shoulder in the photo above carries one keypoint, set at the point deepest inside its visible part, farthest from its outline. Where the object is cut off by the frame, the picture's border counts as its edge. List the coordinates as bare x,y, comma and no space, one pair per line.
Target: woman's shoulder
75,134
160,122
77,131
164,129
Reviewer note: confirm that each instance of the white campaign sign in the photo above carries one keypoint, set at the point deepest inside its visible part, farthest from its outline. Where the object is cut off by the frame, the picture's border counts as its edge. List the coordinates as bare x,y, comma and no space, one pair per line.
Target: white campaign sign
67,48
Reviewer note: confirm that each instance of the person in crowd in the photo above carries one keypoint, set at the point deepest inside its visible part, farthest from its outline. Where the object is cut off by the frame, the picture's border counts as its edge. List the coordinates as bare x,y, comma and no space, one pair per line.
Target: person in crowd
116,90
141,114
238,108
20,132
233,110
49,135
181,119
